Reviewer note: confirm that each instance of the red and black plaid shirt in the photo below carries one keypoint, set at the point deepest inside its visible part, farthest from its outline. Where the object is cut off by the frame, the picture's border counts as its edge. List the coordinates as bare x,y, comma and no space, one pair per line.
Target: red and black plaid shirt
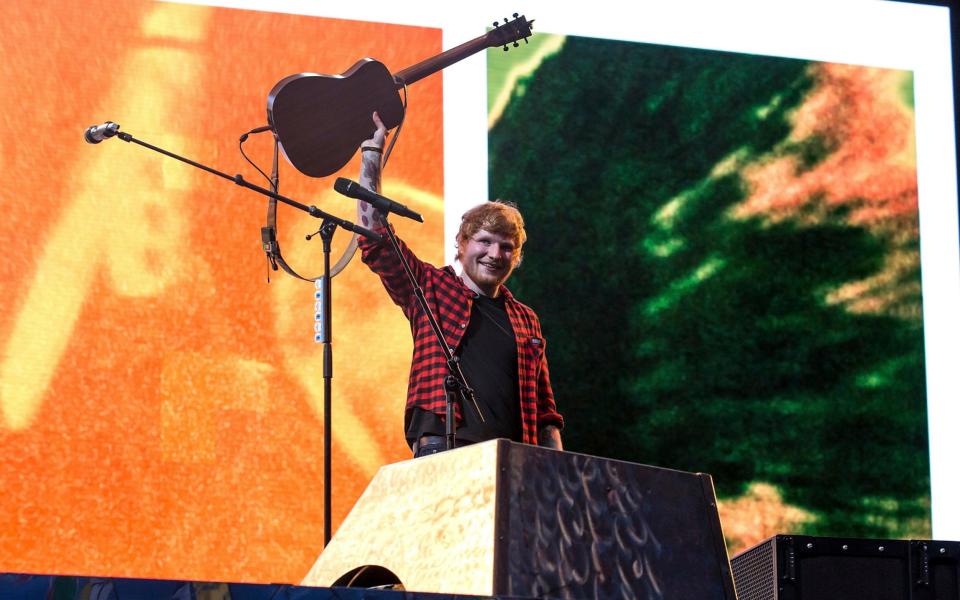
451,302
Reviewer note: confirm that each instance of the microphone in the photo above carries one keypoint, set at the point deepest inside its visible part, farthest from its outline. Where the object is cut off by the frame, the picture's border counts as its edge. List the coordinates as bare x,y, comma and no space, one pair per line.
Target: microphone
355,190
98,133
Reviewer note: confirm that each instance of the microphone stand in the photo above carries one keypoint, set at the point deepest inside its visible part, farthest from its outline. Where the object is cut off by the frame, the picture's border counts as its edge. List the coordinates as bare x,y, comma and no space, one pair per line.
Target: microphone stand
327,229
455,383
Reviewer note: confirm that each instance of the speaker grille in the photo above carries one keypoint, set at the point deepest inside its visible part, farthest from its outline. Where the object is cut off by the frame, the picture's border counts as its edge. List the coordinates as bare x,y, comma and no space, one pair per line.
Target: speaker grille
754,572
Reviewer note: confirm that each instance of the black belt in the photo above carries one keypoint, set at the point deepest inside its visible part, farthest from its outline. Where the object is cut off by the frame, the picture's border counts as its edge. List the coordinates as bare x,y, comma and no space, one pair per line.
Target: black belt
427,440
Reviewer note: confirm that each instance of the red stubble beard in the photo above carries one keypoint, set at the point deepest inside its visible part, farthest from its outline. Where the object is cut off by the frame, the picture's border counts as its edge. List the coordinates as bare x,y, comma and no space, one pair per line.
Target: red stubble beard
488,279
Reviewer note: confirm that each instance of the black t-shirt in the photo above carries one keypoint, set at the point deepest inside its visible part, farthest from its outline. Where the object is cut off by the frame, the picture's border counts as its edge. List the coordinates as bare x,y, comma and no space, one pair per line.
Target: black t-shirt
488,357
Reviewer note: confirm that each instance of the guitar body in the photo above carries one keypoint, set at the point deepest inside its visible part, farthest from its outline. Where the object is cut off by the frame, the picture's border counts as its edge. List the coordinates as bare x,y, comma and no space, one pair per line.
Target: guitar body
321,120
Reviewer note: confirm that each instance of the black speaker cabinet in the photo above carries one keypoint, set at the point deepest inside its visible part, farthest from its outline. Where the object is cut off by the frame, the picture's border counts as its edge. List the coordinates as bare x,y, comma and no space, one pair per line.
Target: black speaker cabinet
794,567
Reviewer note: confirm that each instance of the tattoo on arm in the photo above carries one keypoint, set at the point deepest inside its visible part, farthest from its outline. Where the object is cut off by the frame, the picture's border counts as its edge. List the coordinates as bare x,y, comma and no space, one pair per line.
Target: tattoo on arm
370,179
370,171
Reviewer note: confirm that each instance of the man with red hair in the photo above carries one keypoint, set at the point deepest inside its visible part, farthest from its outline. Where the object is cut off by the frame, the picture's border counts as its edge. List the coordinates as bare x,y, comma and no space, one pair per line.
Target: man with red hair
496,337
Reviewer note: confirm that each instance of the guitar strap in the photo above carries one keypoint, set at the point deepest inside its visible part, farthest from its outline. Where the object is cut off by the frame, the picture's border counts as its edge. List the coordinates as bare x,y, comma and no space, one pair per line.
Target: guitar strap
268,234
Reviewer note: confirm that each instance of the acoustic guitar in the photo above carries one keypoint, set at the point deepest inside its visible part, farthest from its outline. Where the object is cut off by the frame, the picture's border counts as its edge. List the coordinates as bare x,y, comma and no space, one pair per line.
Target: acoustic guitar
322,119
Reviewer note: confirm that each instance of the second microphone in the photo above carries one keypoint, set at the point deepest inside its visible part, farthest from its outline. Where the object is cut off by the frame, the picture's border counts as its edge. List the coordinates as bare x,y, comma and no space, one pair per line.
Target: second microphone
353,189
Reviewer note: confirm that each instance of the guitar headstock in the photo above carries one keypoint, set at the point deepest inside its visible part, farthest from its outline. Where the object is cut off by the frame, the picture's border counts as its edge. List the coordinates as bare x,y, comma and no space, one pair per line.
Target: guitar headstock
510,31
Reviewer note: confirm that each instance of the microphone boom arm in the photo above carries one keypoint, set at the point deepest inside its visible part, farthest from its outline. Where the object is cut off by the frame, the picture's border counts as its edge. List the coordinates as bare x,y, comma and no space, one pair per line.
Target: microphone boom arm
238,179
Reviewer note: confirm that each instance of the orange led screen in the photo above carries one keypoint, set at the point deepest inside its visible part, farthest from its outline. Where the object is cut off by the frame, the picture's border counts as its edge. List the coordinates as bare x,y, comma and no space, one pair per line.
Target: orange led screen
161,402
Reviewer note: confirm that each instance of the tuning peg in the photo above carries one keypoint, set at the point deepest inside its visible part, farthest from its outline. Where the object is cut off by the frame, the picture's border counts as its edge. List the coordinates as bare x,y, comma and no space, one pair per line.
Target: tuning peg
505,49
516,44
496,23
505,19
515,15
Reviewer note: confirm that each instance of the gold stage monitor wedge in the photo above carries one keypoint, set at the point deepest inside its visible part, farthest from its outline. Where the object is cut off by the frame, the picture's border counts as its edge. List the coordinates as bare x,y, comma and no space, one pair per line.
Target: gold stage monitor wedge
501,518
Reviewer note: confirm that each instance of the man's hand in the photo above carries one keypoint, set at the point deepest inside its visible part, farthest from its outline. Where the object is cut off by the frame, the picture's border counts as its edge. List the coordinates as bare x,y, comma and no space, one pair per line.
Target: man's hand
549,437
379,136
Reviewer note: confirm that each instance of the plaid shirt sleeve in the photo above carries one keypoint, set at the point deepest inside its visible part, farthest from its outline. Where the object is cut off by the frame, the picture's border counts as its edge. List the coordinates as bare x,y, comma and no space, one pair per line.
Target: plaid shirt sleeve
448,299
382,260
537,405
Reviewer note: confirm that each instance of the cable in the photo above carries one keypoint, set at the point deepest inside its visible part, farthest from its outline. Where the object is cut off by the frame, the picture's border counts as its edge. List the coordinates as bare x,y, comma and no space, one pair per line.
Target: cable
243,138
386,154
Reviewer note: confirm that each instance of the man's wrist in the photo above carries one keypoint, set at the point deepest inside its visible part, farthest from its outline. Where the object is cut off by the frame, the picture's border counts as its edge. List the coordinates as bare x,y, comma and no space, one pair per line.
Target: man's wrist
549,437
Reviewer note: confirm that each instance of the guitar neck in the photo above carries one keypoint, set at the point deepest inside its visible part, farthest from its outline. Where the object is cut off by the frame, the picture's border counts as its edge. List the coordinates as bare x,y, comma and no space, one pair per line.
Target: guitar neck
440,61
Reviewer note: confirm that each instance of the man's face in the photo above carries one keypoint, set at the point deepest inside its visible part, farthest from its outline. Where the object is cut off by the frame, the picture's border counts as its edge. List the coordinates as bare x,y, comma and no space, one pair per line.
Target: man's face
488,260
